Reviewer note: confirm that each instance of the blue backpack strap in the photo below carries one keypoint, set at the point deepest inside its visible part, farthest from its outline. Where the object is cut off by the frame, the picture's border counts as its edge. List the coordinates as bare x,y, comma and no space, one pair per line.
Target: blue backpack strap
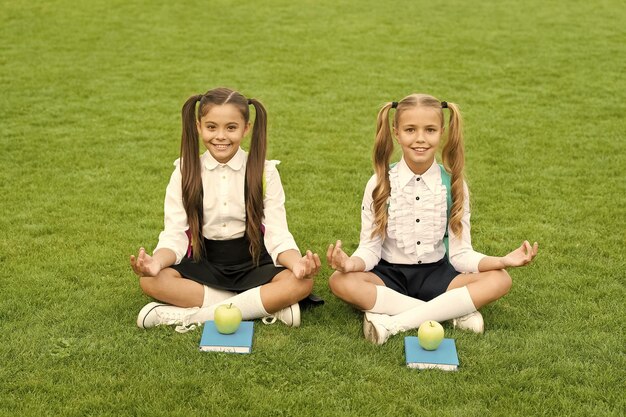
445,180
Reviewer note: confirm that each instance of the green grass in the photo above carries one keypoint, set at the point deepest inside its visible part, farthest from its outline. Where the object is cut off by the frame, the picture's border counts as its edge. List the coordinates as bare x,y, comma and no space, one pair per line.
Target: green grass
90,124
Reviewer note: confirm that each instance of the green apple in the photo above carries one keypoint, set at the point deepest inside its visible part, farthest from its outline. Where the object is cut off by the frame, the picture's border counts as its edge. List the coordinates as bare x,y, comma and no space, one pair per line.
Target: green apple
430,335
227,318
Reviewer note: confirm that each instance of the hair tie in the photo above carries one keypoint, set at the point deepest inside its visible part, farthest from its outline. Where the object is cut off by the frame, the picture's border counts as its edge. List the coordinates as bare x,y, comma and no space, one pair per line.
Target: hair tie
394,104
444,104
250,101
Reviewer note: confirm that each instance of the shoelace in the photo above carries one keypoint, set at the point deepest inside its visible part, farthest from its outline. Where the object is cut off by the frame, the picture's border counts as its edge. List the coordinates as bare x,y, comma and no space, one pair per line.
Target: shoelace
183,325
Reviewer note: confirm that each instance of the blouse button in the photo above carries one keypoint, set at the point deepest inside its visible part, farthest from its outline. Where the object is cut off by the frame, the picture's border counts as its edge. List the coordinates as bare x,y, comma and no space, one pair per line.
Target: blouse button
417,198
417,220
224,225
419,243
417,179
419,262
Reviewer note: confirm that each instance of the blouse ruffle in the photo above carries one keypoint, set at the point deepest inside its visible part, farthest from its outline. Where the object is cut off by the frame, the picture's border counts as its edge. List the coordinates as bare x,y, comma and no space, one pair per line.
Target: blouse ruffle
403,211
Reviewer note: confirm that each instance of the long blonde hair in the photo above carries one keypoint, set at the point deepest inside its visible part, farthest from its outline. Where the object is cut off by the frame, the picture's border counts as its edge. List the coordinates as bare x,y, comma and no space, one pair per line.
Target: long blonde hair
191,170
452,154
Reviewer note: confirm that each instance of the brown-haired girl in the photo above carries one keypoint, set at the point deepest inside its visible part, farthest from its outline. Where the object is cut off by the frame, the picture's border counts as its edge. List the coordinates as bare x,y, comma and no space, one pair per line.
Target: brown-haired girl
400,275
225,238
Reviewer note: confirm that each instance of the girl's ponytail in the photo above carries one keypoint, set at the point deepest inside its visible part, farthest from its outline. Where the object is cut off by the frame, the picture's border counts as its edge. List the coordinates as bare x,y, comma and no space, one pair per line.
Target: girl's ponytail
383,149
453,156
191,175
254,180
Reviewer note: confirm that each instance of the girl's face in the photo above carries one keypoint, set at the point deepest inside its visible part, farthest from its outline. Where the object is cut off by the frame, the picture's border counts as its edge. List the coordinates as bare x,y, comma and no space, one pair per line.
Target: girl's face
221,131
418,132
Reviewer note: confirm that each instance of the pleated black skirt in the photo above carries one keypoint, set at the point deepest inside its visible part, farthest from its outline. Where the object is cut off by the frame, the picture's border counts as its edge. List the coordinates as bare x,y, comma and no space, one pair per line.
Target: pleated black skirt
228,265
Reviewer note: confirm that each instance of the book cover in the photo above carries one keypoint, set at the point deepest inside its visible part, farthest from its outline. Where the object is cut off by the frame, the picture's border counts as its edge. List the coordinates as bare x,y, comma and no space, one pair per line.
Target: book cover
238,342
444,357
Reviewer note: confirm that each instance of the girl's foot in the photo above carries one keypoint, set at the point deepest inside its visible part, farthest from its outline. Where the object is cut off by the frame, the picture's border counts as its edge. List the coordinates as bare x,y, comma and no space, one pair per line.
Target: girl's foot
472,322
288,315
155,314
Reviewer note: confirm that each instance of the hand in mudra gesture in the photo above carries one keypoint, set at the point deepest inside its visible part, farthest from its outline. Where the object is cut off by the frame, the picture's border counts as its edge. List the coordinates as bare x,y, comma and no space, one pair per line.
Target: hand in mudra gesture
308,266
522,255
338,259
144,265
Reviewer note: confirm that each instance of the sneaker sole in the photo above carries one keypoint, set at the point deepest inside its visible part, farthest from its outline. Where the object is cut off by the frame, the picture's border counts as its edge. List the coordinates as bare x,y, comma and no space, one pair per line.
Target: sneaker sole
143,313
295,315
369,331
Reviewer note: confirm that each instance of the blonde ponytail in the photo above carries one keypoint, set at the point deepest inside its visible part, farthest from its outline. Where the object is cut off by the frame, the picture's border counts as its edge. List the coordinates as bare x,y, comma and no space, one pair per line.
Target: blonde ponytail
453,158
383,148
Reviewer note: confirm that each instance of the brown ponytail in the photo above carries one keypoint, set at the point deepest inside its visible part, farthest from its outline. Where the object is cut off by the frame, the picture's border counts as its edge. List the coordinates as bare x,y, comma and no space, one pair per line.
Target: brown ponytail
191,175
254,180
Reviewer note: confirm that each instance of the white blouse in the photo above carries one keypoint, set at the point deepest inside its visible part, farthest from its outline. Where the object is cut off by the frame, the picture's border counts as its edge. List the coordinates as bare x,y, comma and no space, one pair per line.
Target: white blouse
224,215
417,215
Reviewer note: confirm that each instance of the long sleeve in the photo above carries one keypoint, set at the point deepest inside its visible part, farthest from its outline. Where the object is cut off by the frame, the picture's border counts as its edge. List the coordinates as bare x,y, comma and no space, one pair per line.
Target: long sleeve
277,237
369,248
173,235
462,256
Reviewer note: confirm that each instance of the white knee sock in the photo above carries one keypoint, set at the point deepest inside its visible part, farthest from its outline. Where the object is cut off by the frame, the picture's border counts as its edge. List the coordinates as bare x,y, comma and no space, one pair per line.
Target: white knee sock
449,305
249,302
392,302
214,296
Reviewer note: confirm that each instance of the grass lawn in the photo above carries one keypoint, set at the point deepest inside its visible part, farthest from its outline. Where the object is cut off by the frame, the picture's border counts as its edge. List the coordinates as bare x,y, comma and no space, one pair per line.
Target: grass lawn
90,125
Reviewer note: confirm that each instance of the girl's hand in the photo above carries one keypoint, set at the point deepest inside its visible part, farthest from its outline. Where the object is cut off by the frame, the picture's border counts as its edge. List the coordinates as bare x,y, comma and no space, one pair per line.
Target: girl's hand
145,265
521,256
338,260
308,266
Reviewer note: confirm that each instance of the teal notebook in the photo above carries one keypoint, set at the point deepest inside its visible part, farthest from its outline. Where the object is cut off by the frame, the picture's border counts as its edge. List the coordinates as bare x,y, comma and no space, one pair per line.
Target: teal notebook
238,342
444,357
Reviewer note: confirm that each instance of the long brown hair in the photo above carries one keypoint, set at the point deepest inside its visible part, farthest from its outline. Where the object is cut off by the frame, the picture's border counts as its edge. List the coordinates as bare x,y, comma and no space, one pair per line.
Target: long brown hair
452,154
191,169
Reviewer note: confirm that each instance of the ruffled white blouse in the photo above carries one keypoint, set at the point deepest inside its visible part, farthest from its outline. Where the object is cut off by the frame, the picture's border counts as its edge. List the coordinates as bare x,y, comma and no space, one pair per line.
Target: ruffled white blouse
417,218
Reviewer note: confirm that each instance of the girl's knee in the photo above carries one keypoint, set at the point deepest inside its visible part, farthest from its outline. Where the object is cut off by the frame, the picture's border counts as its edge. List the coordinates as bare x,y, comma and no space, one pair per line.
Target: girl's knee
147,285
504,282
308,287
336,282
299,288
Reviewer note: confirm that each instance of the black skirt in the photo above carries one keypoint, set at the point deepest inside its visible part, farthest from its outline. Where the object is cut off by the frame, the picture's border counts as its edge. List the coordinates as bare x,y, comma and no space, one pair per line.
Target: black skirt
424,281
228,265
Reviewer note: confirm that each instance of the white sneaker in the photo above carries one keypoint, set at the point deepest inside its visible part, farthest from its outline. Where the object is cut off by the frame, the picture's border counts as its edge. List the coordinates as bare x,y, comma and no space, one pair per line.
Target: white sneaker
288,315
472,322
373,330
155,314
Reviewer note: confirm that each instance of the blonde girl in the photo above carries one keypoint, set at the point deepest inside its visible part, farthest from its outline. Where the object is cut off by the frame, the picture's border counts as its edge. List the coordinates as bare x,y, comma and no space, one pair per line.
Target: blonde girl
402,274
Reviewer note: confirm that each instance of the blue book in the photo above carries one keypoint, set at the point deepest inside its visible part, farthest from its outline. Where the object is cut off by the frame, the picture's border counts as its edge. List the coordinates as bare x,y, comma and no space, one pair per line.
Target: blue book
444,357
238,342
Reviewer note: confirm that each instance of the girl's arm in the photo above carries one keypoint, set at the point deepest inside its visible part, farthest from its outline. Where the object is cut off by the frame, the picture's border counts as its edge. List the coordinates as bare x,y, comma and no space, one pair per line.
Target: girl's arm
519,257
173,236
278,241
462,255
276,237
368,254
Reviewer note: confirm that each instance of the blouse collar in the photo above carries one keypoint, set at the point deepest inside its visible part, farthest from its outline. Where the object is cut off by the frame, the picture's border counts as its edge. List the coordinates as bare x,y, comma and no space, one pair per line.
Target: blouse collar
431,177
235,163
